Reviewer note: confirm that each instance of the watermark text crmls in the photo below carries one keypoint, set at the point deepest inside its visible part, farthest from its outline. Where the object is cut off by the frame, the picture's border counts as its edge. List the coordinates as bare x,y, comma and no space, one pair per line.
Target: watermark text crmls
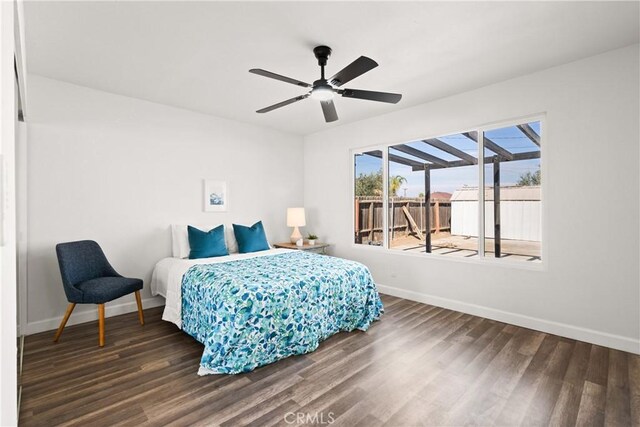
316,418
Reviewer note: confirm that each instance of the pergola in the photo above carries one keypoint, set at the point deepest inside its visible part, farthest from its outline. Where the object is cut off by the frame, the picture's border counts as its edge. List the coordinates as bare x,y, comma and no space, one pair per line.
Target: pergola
429,162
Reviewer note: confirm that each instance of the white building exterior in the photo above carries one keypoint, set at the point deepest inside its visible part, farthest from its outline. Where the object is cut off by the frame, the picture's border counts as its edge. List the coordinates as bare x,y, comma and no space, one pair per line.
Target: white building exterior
520,213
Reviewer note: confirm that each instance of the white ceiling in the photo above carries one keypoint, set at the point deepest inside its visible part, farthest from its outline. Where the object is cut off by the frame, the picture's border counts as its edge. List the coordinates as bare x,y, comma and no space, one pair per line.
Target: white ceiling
196,55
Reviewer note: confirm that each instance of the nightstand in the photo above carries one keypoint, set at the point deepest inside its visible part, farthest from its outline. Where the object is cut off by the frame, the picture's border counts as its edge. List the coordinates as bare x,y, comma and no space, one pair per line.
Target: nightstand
318,248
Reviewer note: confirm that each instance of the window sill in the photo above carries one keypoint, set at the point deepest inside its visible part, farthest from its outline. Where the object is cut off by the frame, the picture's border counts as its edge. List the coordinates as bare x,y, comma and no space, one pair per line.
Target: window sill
486,261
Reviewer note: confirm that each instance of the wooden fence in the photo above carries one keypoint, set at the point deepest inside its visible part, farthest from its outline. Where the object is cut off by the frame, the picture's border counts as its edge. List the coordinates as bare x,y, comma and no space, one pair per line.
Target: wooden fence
406,214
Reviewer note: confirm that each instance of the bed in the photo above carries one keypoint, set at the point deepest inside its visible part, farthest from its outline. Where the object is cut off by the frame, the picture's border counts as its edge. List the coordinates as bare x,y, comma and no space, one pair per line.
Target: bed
253,309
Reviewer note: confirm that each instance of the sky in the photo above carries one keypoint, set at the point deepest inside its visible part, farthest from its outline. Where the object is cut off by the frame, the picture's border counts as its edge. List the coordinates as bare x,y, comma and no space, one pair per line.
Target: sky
451,179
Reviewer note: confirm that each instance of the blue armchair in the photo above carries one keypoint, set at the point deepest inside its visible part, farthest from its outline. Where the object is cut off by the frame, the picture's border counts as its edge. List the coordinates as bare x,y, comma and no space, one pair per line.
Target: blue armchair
88,278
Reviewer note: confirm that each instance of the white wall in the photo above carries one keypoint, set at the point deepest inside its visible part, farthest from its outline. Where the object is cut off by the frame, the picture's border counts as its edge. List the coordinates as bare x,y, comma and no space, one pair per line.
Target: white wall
120,171
588,287
8,115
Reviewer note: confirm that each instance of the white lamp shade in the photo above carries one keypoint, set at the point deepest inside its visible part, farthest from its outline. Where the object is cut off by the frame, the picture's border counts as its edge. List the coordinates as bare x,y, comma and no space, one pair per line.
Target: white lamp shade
295,217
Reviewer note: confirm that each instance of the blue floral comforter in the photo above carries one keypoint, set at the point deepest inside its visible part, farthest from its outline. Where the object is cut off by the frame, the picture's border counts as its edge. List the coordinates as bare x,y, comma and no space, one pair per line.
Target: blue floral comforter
254,311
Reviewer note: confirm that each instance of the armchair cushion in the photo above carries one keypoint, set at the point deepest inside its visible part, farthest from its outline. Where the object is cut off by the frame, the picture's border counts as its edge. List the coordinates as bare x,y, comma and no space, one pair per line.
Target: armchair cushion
105,289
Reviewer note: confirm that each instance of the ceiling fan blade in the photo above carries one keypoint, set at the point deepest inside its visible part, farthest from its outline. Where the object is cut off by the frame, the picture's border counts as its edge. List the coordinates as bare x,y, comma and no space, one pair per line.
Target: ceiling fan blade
353,70
283,103
329,110
391,98
271,75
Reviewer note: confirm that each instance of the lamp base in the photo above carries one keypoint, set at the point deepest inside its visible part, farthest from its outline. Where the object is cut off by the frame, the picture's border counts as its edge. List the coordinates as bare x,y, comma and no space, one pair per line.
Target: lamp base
295,236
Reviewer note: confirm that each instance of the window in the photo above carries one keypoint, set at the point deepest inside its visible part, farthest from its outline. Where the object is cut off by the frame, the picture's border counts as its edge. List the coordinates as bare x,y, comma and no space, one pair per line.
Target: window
437,168
512,178
434,188
368,183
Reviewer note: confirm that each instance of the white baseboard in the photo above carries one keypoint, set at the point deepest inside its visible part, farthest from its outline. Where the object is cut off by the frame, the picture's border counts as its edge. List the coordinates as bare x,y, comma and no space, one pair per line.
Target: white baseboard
110,310
617,342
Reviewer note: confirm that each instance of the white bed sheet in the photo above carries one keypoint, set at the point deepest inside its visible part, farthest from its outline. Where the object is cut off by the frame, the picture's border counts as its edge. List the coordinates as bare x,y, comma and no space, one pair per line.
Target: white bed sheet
166,279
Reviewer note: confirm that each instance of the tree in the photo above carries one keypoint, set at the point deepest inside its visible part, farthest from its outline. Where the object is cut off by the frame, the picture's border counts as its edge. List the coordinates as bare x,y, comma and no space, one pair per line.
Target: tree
395,182
529,178
369,184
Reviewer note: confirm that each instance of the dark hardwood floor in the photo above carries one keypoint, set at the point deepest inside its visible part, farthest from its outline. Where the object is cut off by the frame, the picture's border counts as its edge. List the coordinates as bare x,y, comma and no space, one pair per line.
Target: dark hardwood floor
419,365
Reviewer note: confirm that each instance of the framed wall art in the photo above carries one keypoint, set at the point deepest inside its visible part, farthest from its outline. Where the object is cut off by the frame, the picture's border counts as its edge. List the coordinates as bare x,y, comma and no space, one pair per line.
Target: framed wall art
216,196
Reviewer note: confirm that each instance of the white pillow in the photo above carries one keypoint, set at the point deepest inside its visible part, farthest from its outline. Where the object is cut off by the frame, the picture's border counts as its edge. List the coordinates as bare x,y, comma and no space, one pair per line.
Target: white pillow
230,240
180,239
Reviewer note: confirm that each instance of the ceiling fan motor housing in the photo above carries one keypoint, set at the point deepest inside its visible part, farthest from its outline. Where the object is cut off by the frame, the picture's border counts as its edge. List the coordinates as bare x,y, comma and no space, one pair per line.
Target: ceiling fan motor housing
322,53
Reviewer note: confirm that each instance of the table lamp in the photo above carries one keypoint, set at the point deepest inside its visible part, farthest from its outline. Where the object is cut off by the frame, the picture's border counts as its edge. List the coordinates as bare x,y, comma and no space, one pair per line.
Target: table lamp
295,219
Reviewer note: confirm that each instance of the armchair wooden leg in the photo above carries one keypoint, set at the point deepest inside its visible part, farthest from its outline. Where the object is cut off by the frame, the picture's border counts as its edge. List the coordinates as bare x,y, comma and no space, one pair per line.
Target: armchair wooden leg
70,308
101,324
140,313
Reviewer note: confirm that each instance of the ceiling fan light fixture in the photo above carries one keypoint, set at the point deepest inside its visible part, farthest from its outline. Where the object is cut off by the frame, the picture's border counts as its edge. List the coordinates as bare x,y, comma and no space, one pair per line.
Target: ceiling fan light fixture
322,93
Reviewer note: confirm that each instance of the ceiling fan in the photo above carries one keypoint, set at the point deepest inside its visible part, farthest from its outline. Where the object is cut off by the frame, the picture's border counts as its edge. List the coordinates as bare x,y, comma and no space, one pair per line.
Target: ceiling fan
324,90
